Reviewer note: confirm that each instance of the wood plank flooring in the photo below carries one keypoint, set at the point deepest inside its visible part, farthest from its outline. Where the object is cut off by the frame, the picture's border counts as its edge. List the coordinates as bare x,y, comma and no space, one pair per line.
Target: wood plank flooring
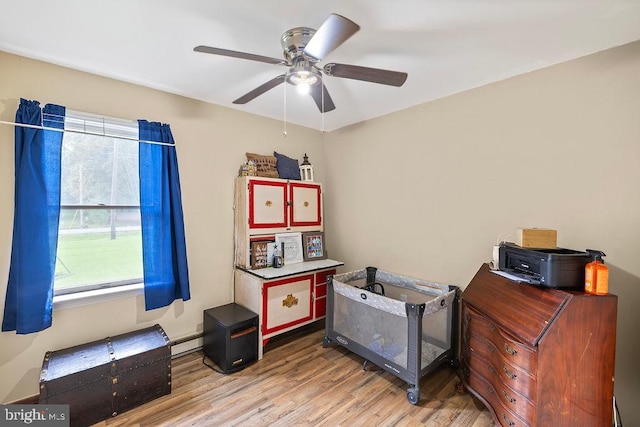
300,383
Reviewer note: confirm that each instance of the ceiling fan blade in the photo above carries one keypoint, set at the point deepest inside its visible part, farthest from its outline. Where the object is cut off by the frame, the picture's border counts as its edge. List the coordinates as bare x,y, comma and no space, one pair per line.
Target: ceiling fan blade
260,90
241,55
331,34
318,92
367,74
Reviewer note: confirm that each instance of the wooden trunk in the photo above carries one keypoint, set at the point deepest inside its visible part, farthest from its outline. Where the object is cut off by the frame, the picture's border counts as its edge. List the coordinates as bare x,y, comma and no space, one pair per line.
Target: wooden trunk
103,378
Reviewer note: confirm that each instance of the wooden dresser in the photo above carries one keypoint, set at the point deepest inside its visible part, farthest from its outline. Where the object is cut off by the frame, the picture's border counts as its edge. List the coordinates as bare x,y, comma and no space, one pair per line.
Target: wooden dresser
536,356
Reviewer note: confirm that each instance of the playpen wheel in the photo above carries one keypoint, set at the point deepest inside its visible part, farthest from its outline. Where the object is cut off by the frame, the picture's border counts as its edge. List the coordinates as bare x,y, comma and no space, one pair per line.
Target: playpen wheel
455,362
413,395
325,342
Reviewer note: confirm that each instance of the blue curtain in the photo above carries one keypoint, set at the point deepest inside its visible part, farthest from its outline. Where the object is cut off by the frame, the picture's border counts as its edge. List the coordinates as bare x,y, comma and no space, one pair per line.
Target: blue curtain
29,299
164,253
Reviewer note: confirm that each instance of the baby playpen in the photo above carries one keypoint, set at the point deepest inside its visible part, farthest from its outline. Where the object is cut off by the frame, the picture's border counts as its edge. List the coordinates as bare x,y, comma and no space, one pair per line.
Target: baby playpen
408,327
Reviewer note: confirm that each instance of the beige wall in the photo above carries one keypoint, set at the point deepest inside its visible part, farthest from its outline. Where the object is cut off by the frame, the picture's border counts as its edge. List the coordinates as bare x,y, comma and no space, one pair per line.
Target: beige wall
211,142
427,191
424,192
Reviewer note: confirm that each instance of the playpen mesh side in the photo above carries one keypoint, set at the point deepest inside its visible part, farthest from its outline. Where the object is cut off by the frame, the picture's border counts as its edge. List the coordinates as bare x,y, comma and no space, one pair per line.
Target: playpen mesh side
381,324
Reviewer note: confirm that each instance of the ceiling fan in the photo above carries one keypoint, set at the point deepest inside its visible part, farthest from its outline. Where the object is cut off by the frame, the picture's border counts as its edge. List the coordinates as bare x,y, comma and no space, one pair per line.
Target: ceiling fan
303,48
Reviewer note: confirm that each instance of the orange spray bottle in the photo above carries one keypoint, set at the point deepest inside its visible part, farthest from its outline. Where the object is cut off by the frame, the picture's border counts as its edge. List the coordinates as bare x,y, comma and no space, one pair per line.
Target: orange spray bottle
596,274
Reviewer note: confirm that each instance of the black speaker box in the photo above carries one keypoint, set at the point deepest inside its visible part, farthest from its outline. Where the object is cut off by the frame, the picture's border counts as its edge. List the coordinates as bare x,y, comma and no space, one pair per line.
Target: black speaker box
230,337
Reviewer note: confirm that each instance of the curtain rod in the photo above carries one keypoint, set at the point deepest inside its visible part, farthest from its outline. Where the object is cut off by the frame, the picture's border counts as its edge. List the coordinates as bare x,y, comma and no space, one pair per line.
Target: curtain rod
24,125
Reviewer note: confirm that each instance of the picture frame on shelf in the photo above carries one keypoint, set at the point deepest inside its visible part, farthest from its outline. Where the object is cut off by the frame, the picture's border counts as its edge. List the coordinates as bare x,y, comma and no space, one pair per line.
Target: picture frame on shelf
314,246
292,247
260,254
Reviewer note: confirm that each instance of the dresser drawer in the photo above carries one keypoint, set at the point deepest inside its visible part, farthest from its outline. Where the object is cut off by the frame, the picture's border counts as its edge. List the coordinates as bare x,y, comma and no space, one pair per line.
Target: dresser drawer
505,416
511,399
513,351
515,377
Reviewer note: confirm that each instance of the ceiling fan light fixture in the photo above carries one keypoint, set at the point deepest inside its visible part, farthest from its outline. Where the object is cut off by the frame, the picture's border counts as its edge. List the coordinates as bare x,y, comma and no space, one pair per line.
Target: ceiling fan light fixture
302,77
303,89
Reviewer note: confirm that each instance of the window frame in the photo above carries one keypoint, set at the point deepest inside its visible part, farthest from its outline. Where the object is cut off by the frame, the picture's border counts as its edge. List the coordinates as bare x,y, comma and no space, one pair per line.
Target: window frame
110,127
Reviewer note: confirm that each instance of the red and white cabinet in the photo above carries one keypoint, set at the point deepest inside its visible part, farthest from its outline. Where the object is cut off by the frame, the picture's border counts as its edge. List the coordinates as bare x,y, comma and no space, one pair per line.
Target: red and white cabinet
284,298
294,295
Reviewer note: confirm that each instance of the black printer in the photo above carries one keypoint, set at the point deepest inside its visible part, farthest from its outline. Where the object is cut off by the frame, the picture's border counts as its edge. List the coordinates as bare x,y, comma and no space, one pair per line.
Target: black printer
553,268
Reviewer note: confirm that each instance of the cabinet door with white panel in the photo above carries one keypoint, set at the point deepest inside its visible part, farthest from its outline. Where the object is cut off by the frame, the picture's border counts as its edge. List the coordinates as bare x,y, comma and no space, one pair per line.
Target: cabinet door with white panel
266,204
305,206
287,302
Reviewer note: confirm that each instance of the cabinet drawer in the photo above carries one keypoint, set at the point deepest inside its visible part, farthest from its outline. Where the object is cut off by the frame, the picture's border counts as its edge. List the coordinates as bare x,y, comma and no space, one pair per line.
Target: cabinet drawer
515,377
321,277
515,352
321,291
511,399
321,307
506,417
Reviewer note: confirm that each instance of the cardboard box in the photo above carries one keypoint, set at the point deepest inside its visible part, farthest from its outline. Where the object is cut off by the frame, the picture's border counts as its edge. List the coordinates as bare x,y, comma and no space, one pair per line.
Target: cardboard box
542,238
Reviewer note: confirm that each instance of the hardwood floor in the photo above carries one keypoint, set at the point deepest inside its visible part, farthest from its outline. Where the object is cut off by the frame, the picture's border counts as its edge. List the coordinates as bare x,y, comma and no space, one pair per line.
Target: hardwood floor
300,383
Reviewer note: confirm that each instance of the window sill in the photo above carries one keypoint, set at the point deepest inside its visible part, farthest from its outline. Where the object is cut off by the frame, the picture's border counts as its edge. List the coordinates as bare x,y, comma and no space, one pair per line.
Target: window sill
79,299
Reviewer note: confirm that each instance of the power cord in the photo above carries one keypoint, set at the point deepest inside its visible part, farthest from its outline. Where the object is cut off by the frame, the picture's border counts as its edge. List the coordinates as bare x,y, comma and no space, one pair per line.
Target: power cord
501,239
617,420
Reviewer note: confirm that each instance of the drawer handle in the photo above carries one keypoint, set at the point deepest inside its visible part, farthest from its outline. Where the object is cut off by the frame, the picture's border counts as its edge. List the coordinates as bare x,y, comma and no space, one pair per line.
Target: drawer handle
510,350
509,373
268,203
491,368
491,390
491,327
243,333
490,348
509,398
507,420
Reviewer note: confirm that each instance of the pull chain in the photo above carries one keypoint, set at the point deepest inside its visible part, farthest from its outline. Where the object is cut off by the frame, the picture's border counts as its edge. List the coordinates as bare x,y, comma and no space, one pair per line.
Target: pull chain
322,87
284,131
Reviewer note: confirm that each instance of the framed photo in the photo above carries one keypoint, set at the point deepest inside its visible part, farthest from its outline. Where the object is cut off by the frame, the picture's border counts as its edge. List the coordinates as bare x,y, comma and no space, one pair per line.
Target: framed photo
260,254
292,244
313,245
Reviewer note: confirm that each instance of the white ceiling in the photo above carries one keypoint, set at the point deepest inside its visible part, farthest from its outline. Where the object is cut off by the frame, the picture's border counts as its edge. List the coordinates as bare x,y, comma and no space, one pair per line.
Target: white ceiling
446,46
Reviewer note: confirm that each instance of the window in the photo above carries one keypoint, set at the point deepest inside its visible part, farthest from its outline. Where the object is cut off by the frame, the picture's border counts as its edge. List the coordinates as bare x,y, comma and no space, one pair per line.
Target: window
99,240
